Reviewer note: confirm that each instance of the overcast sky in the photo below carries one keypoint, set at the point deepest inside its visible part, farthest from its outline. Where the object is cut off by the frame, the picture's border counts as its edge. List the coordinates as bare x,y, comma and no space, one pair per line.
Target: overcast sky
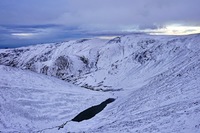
24,22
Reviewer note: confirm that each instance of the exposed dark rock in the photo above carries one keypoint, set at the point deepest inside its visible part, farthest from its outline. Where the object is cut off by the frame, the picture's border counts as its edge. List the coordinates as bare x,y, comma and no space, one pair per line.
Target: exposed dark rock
84,60
82,40
44,70
143,56
115,40
145,43
62,63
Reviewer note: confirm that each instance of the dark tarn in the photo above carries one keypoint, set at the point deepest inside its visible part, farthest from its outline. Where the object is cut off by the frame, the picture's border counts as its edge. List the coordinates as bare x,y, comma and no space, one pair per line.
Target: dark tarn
90,112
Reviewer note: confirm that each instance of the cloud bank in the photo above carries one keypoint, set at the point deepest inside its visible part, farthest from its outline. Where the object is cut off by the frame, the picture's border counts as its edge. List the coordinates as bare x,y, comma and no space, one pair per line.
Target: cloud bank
57,20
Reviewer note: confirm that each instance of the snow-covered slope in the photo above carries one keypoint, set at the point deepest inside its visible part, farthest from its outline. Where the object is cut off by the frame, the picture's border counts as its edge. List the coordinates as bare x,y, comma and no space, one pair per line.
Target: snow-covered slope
31,102
169,103
155,79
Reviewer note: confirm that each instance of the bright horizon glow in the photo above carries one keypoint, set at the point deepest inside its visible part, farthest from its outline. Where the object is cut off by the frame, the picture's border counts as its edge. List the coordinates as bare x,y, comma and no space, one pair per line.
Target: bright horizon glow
175,30
23,35
107,37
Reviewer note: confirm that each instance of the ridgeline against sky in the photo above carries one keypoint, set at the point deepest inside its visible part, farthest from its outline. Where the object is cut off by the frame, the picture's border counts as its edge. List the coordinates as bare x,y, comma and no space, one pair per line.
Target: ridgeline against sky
26,22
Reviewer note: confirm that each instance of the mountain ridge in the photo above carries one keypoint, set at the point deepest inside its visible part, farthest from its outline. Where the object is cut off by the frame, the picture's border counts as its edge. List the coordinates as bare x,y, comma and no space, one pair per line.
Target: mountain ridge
80,60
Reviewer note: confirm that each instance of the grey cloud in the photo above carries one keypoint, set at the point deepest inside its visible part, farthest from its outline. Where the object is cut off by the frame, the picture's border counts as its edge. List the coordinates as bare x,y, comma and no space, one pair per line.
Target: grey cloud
55,20
129,13
100,14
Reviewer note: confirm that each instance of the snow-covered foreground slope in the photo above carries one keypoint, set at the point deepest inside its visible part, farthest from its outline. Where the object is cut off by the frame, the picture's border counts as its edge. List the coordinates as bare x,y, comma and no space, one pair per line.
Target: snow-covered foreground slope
30,102
170,103
156,80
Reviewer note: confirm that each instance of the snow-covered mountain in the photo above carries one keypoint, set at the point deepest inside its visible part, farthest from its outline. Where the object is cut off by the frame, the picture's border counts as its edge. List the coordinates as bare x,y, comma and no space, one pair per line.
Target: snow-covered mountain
154,78
120,63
